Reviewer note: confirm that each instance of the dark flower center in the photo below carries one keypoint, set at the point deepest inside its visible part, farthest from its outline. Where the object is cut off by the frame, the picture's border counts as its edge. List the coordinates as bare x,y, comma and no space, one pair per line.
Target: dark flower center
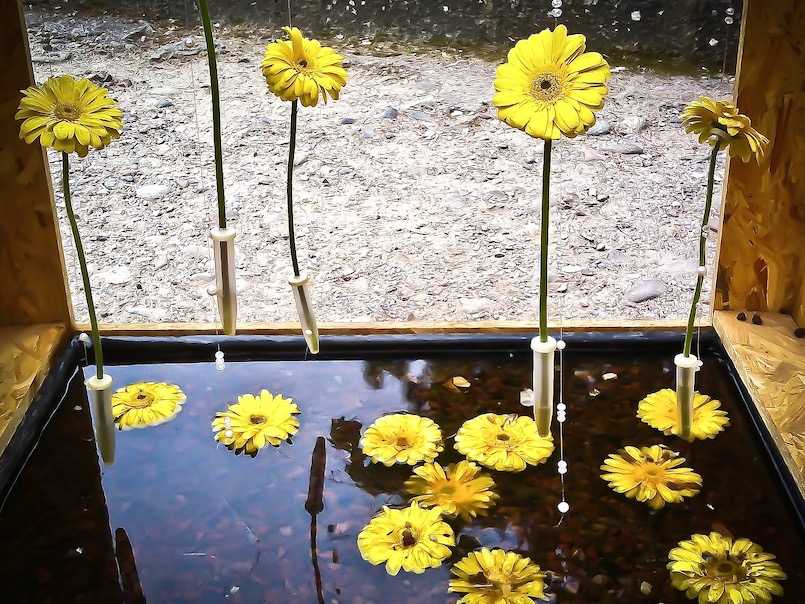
408,539
503,437
141,400
402,441
257,419
546,87
66,111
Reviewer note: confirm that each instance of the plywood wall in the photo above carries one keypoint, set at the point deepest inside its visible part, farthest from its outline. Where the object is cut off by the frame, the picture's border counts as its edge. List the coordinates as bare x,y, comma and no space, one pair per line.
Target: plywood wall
31,271
762,259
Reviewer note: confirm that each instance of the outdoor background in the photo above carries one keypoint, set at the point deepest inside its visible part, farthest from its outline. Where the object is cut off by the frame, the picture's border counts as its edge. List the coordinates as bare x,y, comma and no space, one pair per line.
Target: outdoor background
413,202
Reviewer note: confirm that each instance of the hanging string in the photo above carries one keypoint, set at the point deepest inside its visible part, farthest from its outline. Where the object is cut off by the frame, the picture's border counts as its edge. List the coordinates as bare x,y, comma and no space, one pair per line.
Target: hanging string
563,506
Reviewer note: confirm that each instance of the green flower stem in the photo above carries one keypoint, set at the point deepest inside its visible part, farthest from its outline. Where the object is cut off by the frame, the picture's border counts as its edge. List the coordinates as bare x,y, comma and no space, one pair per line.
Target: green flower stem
702,247
82,262
543,246
216,111
291,152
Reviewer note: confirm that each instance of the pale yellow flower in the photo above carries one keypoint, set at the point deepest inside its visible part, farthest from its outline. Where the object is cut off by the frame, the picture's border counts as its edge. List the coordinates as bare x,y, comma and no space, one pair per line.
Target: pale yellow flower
503,442
461,489
497,577
146,404
659,410
402,438
704,115
256,421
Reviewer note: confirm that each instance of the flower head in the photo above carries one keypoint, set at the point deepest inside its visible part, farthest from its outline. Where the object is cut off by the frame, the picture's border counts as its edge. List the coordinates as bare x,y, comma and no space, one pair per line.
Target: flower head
650,474
720,121
402,438
503,442
659,411
303,69
461,489
69,115
256,420
413,539
146,404
715,568
497,577
549,86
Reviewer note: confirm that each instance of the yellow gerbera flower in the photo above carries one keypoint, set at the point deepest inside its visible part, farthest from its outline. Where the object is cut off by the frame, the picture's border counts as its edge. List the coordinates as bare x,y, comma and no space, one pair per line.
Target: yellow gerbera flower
69,115
651,475
402,438
497,577
503,442
413,539
549,86
146,404
659,411
721,570
303,69
256,420
733,129
459,490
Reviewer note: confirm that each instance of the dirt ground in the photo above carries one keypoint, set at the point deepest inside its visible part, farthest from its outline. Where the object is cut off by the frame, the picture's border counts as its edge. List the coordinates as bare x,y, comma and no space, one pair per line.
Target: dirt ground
412,200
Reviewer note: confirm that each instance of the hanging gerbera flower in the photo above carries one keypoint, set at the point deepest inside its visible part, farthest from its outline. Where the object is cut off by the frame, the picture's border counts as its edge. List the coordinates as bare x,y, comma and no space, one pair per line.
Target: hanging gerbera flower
549,86
650,474
413,539
659,411
497,577
721,570
69,115
146,404
503,442
732,129
256,420
461,489
402,438
303,69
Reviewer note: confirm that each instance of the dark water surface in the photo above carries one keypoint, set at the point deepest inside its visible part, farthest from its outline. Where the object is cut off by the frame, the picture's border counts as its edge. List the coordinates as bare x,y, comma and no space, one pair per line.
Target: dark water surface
184,520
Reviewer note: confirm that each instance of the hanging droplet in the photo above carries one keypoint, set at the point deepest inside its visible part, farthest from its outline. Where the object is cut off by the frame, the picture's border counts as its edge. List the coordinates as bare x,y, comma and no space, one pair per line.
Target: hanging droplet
561,407
219,360
562,467
713,42
560,345
563,507
636,16
555,13
728,20
702,270
84,339
730,11
556,3
212,289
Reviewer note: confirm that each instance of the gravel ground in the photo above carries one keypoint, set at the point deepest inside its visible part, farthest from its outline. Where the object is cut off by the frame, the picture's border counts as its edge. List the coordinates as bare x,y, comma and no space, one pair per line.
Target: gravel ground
412,201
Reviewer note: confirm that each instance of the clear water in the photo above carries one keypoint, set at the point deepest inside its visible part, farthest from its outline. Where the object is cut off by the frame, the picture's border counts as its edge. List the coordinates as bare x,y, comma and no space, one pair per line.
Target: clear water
179,519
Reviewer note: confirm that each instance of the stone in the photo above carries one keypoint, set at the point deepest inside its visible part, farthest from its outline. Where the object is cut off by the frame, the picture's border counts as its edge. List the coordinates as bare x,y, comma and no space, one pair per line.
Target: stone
116,275
138,32
600,127
154,191
473,306
645,290
163,103
634,123
347,120
391,113
625,148
590,155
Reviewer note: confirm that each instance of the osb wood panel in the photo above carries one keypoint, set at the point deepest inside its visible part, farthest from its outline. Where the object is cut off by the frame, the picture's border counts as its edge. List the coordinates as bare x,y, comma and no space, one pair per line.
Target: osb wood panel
771,363
762,258
31,269
25,357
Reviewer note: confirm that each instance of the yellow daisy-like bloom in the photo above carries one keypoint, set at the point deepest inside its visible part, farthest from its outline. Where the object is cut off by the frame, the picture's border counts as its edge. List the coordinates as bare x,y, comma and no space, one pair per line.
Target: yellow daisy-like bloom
659,411
303,69
146,404
721,570
650,474
413,539
255,421
402,438
732,128
461,489
550,86
497,577
503,442
69,115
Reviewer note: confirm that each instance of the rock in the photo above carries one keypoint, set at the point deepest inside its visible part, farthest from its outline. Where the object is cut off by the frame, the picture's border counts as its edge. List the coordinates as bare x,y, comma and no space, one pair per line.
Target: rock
625,149
160,261
634,123
101,78
391,113
138,32
162,103
116,275
52,59
152,191
163,91
645,290
590,155
419,115
472,306
600,127
347,120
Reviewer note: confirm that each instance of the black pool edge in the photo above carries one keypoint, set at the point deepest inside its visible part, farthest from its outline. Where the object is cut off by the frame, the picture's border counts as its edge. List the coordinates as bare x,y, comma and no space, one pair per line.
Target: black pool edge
137,349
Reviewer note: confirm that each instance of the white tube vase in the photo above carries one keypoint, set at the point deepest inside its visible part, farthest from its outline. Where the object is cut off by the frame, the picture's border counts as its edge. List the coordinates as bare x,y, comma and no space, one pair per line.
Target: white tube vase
223,243
100,391
543,353
686,368
301,287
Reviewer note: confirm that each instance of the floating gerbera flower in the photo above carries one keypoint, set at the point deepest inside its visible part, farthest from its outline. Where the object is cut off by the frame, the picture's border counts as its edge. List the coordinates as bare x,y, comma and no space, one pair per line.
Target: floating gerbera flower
503,442
550,86
650,474
402,438
413,539
303,69
255,421
461,489
659,411
69,115
732,129
497,577
721,570
146,404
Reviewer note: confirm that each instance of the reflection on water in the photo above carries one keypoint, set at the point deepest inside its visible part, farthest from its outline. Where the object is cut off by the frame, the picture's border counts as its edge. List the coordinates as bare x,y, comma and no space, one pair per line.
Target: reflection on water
192,522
